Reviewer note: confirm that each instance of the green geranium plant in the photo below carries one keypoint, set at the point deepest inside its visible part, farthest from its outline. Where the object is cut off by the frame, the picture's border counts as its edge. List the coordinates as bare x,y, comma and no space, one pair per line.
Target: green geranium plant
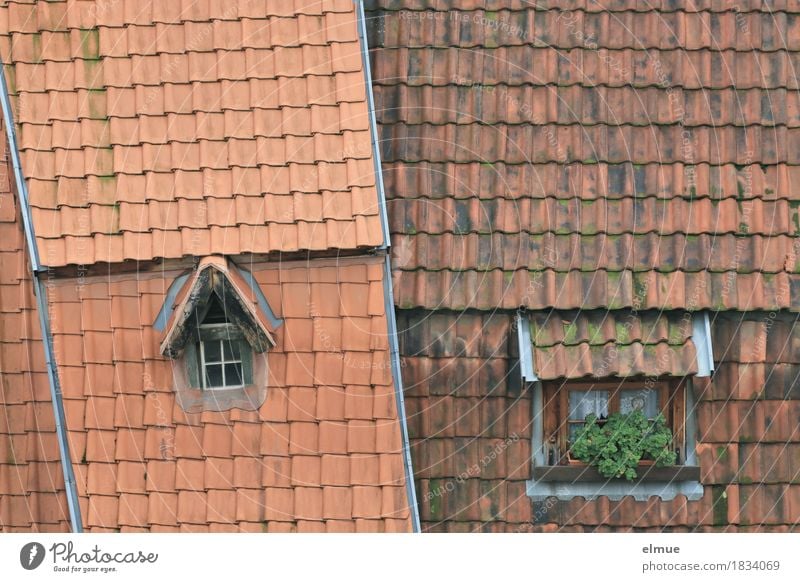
616,446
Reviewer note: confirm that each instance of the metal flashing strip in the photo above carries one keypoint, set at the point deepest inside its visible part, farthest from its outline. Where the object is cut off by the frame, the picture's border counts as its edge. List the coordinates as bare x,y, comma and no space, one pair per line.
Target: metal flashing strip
169,302
387,284
701,336
373,123
614,490
40,291
261,299
525,348
398,389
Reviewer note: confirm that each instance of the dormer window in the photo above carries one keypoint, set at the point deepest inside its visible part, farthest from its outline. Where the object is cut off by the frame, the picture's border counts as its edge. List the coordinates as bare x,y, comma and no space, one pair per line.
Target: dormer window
217,337
591,369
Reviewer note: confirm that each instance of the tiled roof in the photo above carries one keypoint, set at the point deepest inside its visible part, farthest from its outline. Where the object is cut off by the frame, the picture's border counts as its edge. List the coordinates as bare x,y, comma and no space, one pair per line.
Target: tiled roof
31,479
470,426
164,129
323,453
611,343
590,155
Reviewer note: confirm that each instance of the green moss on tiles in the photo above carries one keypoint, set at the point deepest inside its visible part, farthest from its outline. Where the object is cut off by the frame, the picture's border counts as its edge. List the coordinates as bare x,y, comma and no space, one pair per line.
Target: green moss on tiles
570,332
719,504
795,210
90,43
96,101
745,480
740,191
435,501
692,192
623,333
768,191
37,47
114,226
93,74
650,351
639,289
675,336
743,228
595,334
722,452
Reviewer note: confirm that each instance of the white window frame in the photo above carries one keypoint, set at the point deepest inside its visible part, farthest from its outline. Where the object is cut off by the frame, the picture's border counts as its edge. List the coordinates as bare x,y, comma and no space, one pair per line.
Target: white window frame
222,361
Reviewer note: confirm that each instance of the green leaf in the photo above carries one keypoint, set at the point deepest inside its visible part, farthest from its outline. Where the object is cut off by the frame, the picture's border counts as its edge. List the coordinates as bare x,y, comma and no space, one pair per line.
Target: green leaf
617,447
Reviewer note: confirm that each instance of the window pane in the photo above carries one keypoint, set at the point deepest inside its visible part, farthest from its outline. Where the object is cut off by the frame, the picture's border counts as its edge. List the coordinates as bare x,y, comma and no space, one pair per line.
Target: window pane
574,429
212,351
585,402
645,400
231,350
214,376
233,375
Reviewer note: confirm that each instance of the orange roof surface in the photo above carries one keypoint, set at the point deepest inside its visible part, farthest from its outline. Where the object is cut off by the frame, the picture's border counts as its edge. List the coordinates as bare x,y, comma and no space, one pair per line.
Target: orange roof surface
31,480
163,129
323,453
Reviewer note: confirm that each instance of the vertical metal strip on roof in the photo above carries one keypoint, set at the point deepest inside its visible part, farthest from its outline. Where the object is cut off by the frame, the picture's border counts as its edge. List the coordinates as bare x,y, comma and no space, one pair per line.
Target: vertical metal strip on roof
387,283
525,348
701,336
44,314
394,348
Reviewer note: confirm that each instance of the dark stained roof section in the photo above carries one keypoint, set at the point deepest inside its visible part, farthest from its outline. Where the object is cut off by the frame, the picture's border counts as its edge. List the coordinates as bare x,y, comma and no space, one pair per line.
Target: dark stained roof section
603,344
165,129
583,155
465,405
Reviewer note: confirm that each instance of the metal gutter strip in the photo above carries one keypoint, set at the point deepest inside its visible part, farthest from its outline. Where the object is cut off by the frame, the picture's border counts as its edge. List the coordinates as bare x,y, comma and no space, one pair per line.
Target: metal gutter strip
701,336
39,288
388,294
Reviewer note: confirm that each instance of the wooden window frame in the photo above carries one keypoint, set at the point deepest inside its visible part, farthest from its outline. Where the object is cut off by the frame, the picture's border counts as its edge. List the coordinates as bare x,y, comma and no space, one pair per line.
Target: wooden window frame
672,403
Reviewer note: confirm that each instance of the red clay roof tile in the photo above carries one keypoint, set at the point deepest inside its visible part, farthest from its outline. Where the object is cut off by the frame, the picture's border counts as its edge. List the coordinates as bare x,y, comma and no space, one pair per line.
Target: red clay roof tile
132,88
276,471
277,504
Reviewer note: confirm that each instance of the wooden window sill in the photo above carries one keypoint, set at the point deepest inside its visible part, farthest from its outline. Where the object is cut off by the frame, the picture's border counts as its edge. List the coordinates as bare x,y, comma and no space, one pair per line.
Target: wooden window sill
584,474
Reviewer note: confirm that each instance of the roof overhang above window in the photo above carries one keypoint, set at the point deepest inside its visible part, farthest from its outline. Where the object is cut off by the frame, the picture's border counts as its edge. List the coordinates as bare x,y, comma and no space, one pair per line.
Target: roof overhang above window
216,277
556,344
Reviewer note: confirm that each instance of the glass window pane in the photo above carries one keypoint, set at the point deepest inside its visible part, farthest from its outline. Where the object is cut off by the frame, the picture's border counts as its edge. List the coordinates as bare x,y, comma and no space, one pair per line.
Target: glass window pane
211,351
214,376
585,402
233,374
574,429
231,350
645,400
